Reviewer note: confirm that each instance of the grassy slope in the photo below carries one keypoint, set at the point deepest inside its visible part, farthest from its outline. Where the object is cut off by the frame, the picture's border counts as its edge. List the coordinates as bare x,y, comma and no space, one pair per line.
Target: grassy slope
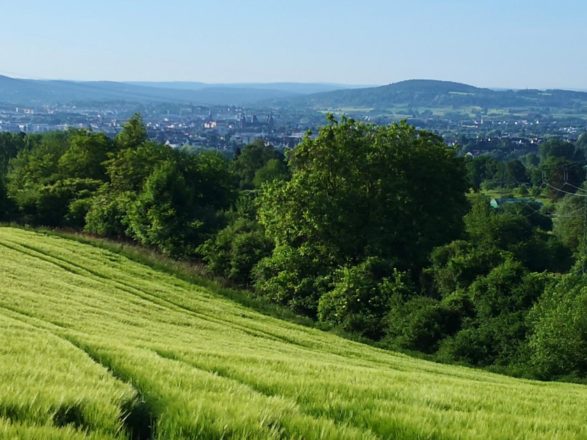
93,345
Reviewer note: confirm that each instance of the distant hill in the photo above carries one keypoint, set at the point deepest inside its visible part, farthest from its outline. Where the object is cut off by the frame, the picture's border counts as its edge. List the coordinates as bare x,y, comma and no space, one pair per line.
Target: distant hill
405,94
29,92
434,94
284,87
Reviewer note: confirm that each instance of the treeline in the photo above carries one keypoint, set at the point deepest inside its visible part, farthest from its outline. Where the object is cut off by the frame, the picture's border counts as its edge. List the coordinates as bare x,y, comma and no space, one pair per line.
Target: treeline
377,230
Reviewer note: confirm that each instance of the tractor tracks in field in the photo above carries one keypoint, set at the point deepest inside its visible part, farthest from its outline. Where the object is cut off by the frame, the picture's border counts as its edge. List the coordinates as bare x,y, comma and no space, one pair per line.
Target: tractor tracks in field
266,393
137,417
80,270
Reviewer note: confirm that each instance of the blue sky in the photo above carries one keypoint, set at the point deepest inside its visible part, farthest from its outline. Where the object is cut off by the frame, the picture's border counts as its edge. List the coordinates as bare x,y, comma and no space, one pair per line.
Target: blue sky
498,43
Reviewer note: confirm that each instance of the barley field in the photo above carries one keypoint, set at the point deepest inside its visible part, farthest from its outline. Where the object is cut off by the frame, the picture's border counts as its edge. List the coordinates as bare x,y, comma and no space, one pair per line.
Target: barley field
96,346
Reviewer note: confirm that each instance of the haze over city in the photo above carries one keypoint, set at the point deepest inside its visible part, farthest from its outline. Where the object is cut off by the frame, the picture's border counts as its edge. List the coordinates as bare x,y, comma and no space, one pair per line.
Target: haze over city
500,44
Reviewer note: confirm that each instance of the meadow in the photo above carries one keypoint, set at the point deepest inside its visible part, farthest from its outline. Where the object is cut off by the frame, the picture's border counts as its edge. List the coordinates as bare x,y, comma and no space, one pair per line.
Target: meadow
95,345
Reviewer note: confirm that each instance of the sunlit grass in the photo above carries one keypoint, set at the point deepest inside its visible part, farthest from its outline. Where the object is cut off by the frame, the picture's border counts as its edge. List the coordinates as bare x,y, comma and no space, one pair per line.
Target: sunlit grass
129,346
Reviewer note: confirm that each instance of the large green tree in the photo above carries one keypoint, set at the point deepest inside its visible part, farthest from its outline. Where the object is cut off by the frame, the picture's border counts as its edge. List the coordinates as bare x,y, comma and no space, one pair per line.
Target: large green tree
178,205
359,191
559,327
255,157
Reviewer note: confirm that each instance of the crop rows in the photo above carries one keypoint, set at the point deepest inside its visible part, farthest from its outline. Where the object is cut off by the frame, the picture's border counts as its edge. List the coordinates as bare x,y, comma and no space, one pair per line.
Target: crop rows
93,345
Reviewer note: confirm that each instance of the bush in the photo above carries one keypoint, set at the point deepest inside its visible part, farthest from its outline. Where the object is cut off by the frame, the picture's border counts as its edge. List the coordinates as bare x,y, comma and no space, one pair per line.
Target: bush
491,341
496,332
420,323
458,264
236,249
360,299
294,277
559,328
107,215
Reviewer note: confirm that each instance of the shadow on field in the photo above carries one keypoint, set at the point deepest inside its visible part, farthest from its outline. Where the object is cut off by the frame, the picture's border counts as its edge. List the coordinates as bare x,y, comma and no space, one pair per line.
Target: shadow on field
138,419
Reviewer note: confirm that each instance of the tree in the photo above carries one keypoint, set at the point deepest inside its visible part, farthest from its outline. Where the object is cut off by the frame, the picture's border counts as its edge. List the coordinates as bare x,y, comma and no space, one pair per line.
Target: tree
421,323
480,169
457,265
571,222
108,213
235,250
86,155
252,159
559,328
129,168
496,332
274,169
557,148
360,299
32,180
10,146
177,208
561,175
360,191
582,143
133,134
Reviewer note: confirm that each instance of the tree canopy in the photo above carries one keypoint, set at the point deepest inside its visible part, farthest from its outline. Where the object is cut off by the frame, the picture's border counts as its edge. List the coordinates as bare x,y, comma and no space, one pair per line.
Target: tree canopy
359,191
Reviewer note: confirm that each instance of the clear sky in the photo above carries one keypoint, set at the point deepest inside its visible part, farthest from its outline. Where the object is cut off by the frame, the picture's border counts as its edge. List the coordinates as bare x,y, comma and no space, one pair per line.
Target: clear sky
492,43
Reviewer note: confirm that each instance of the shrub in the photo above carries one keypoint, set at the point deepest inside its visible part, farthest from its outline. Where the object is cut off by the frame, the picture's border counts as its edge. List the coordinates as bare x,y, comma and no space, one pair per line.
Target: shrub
107,215
559,328
236,249
420,323
491,341
360,298
294,277
458,264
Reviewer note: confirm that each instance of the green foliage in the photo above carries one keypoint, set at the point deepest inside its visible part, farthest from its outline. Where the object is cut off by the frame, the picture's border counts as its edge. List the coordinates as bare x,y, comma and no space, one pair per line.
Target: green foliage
355,193
502,290
420,323
55,204
559,328
484,225
571,222
582,143
255,158
517,229
457,265
54,172
496,332
480,169
129,187
177,209
133,134
274,169
10,146
95,344
557,148
494,341
85,156
360,298
107,215
561,176
295,277
235,250
129,168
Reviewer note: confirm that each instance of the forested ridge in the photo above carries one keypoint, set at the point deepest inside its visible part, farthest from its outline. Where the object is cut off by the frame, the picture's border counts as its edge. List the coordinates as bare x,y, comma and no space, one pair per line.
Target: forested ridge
383,232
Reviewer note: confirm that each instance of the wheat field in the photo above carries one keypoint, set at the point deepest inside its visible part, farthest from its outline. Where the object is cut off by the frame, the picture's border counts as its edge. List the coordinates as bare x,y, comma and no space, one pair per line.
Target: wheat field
96,346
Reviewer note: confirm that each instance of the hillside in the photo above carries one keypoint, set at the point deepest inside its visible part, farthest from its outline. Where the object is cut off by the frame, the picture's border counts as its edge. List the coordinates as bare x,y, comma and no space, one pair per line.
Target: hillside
47,92
93,345
440,94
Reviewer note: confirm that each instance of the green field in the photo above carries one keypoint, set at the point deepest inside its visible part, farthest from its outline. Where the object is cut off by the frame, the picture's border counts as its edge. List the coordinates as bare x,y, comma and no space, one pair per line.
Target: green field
94,345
